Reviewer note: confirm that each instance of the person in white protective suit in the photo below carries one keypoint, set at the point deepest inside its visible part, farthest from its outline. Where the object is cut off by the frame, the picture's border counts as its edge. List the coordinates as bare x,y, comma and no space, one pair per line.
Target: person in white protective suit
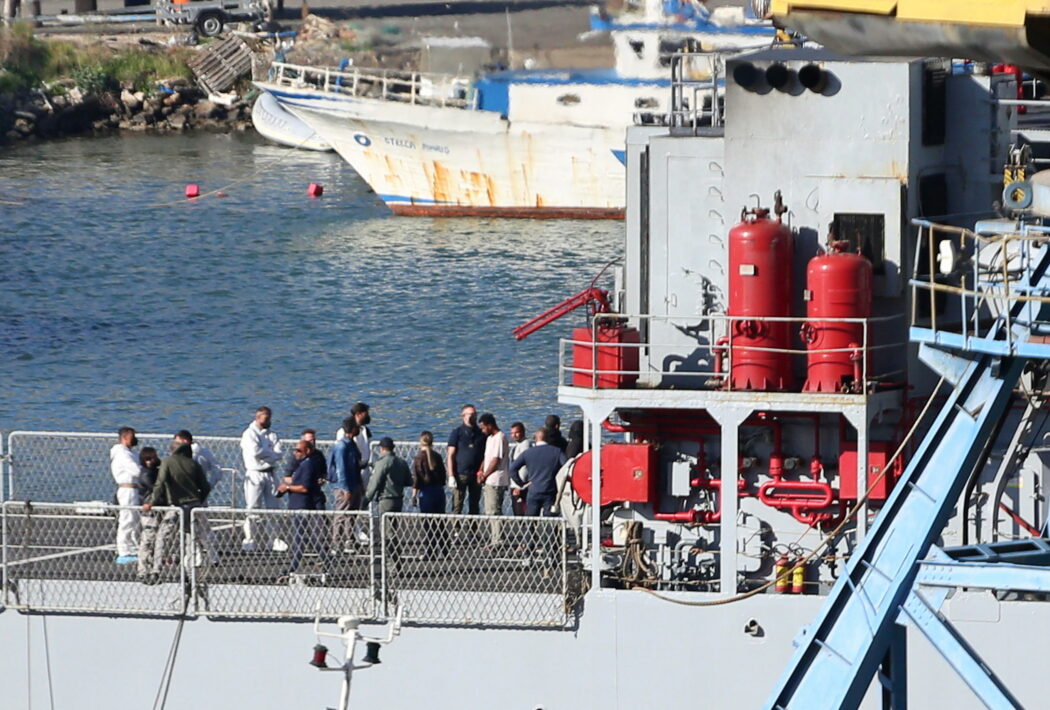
262,453
126,469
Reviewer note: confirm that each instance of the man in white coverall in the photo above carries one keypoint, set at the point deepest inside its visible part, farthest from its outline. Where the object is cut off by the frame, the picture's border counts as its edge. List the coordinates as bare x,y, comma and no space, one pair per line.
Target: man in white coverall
126,469
261,449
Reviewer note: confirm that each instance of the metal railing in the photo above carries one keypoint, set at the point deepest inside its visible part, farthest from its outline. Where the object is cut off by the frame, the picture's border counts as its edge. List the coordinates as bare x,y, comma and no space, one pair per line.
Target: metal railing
63,466
426,89
59,558
478,570
305,563
697,83
441,569
982,278
708,362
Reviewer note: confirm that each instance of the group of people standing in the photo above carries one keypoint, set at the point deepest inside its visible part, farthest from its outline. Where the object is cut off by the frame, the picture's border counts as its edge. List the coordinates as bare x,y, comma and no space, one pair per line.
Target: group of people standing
482,466
184,479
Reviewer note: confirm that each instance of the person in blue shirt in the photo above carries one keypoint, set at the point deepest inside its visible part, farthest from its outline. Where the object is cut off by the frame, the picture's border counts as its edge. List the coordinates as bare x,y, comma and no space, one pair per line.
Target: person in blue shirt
466,450
304,494
344,462
543,461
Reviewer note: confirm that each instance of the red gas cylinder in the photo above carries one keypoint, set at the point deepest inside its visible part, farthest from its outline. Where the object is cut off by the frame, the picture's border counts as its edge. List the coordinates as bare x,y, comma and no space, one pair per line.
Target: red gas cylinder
760,254
606,358
838,285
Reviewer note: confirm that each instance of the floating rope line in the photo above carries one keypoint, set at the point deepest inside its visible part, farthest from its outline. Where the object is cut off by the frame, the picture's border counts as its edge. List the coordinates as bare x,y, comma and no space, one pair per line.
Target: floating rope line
220,191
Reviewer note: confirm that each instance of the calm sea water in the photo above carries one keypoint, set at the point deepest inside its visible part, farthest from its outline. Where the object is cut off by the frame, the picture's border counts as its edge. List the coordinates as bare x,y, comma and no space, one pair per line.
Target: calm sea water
121,303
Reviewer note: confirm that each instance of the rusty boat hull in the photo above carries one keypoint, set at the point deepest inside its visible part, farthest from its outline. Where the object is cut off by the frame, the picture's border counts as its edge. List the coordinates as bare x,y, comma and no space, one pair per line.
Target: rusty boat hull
436,161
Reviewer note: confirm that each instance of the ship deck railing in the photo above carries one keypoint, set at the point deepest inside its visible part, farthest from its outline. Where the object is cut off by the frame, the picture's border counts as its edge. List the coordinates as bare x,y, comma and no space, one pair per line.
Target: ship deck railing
64,466
409,87
439,570
978,292
700,352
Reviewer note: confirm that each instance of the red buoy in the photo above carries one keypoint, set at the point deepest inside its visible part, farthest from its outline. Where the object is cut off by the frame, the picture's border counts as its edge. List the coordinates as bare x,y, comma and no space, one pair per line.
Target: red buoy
315,190
193,190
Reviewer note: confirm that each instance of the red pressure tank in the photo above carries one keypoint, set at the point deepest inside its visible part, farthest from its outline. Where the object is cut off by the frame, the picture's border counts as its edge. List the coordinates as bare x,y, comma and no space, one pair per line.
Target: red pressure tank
760,255
838,285
607,358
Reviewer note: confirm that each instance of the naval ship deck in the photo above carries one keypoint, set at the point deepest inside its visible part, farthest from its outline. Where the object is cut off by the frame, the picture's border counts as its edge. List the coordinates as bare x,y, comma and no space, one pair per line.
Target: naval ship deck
462,570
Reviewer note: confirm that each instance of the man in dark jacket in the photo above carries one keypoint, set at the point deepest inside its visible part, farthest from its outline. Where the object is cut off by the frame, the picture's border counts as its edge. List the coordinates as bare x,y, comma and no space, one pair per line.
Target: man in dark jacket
181,482
390,478
466,451
304,494
554,436
344,466
543,461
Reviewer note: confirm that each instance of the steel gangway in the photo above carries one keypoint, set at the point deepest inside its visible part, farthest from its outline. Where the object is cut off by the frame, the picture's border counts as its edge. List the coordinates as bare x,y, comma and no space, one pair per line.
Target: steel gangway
897,578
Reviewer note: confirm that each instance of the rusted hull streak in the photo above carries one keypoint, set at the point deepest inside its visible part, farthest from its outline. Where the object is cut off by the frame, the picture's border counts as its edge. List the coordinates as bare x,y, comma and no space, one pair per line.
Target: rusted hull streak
514,212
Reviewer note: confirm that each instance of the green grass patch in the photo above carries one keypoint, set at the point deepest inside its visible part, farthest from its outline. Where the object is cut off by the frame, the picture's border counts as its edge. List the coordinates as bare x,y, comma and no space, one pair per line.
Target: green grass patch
27,62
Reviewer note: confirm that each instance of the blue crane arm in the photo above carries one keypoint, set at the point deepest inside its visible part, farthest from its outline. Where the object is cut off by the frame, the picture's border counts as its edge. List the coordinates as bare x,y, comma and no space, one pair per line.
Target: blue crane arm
839,653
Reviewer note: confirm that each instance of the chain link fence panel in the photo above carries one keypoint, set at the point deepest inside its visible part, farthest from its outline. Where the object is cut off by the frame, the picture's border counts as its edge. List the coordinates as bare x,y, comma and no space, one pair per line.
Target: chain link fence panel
299,564
59,467
477,570
61,558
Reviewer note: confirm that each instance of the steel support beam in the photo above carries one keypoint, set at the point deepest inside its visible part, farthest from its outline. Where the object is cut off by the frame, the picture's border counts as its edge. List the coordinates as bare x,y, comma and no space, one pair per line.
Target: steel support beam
1021,578
960,655
894,672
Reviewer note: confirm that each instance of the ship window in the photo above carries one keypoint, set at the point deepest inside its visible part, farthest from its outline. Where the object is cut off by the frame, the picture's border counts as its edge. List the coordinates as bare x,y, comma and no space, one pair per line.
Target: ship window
568,99
934,105
637,46
646,102
669,47
933,195
864,232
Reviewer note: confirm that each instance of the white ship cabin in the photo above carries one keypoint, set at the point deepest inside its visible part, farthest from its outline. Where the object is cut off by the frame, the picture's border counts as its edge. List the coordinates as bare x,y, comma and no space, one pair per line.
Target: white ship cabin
646,35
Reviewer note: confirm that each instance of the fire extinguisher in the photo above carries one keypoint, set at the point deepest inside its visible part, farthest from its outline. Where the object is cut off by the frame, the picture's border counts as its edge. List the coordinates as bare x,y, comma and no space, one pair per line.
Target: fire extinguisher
780,570
798,576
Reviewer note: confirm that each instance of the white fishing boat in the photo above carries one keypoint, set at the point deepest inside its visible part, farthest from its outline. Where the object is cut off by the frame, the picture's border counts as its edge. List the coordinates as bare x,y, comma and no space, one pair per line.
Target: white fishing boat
275,124
516,143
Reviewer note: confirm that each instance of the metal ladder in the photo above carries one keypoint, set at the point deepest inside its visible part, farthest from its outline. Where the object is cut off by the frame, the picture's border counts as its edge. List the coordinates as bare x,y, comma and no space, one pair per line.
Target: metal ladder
858,627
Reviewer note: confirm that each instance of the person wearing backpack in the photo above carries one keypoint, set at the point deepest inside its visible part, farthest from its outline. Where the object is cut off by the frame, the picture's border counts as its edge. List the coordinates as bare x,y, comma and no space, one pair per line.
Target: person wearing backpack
344,476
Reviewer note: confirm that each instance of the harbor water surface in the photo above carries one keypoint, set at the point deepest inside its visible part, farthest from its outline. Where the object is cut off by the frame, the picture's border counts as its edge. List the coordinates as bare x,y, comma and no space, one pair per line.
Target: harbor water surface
124,303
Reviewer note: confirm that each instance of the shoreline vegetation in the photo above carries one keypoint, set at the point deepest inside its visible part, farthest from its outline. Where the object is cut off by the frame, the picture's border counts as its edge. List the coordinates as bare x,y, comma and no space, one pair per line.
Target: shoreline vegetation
55,88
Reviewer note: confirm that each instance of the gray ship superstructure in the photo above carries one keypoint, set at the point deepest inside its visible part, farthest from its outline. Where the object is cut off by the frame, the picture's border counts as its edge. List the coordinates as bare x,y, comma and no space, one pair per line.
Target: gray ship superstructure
780,469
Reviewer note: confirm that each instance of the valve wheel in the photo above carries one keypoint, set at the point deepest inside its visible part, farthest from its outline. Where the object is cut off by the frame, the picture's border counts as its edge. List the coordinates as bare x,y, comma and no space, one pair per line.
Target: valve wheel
808,333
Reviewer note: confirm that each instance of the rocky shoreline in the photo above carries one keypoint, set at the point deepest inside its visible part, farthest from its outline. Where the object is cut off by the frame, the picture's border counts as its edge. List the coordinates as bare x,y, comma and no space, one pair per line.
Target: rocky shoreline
175,106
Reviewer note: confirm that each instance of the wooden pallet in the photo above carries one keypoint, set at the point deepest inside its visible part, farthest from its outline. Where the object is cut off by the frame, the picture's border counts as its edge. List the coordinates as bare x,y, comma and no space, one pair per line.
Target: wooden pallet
221,64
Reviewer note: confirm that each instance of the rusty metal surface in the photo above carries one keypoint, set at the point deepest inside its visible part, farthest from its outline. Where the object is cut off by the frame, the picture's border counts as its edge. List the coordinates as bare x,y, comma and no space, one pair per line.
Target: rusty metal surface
514,212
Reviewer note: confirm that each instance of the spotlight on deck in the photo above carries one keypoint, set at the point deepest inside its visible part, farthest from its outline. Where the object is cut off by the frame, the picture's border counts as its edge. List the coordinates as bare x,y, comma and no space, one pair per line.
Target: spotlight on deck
371,653
318,661
746,75
780,77
813,78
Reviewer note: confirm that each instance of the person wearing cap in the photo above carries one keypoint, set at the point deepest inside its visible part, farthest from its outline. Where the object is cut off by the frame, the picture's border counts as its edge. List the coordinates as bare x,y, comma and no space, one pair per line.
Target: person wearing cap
390,477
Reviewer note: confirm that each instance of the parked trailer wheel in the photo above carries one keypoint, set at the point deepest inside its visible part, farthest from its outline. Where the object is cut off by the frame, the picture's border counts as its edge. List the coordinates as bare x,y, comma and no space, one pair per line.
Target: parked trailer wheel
210,23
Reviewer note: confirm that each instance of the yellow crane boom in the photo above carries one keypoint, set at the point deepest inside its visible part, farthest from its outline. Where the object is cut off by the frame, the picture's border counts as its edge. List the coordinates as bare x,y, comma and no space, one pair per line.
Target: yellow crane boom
1011,31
